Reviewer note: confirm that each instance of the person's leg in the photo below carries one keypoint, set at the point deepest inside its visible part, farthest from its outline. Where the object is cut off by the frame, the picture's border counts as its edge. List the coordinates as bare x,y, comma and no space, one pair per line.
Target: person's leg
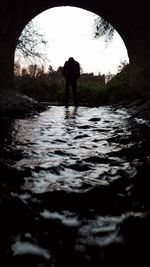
74,90
67,92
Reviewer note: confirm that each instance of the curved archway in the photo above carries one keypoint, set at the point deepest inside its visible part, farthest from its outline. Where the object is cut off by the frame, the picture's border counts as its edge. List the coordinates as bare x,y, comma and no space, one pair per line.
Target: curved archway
133,28
69,31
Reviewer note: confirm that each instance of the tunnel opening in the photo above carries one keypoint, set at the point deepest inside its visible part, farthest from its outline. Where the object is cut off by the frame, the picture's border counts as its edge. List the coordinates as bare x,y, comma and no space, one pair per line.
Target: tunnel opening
75,37
133,32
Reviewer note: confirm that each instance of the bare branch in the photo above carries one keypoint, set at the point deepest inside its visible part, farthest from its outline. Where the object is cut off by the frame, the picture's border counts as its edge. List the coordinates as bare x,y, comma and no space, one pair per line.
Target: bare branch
103,28
31,44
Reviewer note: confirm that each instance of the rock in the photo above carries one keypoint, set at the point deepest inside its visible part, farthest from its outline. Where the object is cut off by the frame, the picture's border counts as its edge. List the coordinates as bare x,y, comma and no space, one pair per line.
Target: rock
15,103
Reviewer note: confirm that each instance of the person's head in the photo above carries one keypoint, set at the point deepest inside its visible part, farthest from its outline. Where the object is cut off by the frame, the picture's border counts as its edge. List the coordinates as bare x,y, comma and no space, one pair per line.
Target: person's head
71,59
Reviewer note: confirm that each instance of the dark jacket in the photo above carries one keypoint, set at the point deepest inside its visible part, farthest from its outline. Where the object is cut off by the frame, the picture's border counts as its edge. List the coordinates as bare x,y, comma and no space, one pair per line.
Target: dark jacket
71,69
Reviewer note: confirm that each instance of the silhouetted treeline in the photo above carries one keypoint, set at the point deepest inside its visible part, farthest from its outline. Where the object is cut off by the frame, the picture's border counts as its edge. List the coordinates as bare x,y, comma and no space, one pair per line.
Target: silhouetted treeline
93,90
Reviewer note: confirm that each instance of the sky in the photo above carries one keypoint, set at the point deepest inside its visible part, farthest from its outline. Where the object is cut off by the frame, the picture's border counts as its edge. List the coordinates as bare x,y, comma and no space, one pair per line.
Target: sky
69,32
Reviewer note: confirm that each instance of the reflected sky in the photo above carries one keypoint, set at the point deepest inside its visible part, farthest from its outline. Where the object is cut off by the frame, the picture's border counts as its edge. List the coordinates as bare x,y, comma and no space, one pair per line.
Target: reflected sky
71,148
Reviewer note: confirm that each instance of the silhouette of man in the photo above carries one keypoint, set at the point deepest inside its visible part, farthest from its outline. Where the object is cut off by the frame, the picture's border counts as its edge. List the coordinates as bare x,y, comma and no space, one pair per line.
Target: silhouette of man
71,72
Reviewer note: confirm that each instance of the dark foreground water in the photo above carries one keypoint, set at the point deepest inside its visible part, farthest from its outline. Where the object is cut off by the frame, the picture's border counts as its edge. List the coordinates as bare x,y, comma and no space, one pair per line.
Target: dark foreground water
74,189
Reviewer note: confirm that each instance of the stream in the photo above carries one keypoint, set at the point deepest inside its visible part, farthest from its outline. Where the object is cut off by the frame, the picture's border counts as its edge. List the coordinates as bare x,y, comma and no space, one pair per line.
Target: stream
75,188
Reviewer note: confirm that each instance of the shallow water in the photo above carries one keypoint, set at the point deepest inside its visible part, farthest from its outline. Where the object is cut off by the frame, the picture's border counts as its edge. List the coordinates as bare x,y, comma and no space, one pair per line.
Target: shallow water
69,149
71,188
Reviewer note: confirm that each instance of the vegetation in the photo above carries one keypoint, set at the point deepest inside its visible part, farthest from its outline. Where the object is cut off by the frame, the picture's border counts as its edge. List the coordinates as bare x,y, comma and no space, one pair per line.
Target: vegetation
31,45
102,28
93,90
117,89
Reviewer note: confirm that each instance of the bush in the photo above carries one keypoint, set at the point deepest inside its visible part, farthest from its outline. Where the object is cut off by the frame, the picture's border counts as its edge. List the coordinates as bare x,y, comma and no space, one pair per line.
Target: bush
92,91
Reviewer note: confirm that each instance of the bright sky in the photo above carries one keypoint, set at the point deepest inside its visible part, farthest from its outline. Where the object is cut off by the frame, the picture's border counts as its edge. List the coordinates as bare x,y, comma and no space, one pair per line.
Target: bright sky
68,31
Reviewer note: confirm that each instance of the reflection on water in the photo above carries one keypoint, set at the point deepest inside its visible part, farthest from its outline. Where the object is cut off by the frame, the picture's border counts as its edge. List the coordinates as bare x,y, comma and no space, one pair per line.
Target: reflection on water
70,148
71,190
71,114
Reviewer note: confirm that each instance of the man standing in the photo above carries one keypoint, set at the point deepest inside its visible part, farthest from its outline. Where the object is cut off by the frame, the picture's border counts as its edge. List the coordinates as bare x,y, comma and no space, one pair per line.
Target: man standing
71,72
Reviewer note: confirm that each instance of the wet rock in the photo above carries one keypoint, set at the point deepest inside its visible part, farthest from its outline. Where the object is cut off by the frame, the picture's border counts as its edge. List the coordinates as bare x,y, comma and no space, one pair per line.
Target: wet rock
13,103
81,136
11,177
97,159
136,234
83,126
15,213
135,228
80,167
26,248
94,119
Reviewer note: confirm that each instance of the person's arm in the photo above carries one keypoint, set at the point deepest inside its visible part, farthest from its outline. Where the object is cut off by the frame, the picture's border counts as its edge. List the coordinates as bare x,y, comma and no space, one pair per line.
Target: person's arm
78,70
64,70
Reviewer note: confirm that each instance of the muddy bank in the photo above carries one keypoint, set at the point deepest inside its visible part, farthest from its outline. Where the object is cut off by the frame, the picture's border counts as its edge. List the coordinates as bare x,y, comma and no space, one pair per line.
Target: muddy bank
13,103
138,108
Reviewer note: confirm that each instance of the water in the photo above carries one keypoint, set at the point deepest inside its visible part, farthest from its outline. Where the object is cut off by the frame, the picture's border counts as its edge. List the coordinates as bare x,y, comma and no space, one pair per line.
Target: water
67,150
71,186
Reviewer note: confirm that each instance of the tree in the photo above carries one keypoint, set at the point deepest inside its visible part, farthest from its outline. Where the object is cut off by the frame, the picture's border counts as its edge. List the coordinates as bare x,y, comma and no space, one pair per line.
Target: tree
50,69
31,45
17,69
40,71
103,28
24,72
109,76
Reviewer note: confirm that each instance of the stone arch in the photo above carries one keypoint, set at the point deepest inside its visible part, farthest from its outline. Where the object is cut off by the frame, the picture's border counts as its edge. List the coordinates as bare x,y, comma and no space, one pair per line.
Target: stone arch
132,23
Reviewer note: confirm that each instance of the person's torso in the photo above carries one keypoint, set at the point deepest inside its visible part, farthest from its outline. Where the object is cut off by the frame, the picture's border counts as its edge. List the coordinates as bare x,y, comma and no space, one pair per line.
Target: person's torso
72,69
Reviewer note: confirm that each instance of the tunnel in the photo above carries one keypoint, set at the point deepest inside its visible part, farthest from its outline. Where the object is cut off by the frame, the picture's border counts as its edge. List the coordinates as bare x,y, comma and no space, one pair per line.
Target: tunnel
89,224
